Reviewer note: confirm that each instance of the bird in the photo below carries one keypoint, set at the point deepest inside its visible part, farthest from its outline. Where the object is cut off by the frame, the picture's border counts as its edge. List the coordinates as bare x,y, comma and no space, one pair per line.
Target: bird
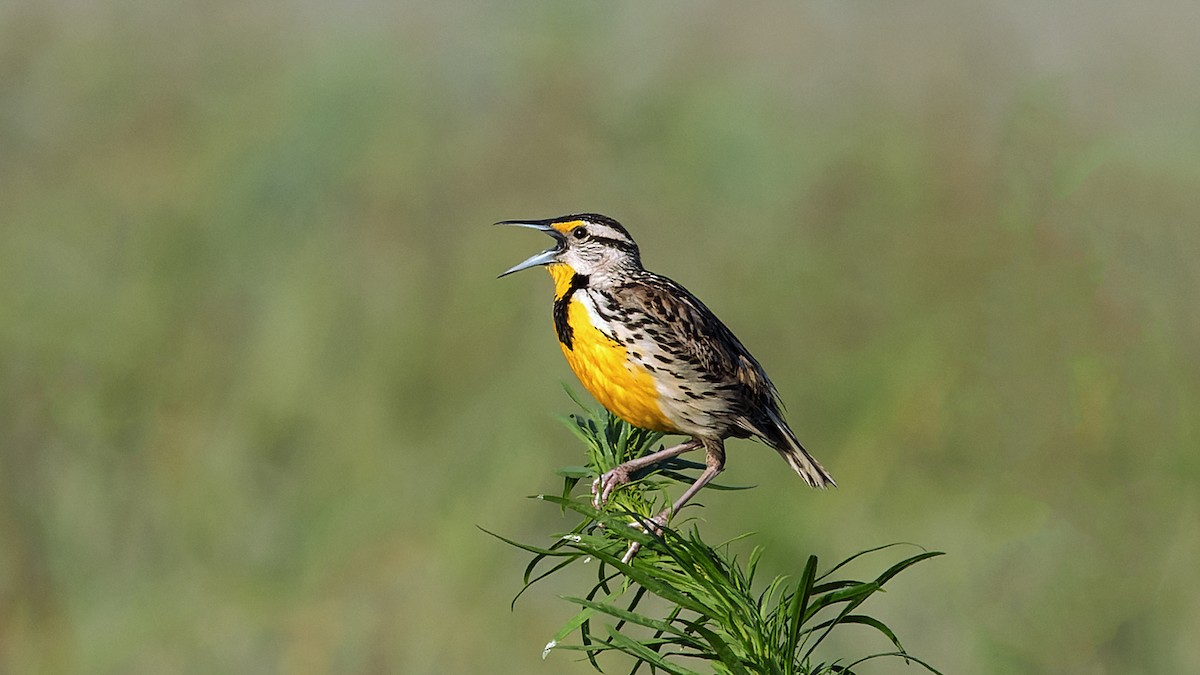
654,355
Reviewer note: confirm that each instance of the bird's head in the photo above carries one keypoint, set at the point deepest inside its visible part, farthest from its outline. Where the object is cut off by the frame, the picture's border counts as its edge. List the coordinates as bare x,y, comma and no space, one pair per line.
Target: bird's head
587,243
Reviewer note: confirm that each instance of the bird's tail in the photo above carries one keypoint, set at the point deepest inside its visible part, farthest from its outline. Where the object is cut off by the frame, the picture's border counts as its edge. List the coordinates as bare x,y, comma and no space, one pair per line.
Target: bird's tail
788,446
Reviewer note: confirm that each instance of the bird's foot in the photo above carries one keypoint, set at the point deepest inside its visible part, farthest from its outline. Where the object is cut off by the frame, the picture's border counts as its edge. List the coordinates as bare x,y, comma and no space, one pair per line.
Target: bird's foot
603,486
653,526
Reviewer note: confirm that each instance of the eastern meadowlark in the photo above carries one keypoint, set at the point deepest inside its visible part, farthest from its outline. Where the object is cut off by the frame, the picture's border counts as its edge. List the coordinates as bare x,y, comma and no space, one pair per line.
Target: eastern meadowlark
653,354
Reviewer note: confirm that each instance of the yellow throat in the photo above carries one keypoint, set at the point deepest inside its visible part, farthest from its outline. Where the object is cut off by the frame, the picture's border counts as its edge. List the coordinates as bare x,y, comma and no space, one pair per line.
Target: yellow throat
603,366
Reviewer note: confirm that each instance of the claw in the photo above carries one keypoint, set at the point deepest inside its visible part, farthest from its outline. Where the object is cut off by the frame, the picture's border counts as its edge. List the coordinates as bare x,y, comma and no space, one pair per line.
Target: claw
603,486
597,488
630,552
656,525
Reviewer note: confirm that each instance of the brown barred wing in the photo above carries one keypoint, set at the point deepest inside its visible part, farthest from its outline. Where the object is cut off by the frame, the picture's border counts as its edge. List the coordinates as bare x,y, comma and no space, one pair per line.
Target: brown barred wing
718,379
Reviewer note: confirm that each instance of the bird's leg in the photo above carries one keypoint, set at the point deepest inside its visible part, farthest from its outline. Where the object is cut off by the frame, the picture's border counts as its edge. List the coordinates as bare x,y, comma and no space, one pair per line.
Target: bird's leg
714,461
603,486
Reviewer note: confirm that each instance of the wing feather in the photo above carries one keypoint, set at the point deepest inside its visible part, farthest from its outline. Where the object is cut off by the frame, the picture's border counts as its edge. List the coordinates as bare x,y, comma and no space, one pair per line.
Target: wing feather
693,335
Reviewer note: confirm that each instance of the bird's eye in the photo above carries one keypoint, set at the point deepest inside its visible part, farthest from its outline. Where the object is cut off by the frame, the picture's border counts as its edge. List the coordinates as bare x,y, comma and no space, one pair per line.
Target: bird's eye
579,232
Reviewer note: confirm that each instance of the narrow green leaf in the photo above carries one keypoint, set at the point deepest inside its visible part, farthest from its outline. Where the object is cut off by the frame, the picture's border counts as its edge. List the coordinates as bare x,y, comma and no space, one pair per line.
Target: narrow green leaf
860,554
579,429
600,646
768,595
638,595
641,651
671,616
723,652
714,576
585,638
652,584
595,647
682,463
798,607
725,544
537,560
905,564
602,579
752,563
900,655
877,625
530,582
859,596
573,504
575,397
570,626
854,593
632,617
568,487
688,480
834,585
533,549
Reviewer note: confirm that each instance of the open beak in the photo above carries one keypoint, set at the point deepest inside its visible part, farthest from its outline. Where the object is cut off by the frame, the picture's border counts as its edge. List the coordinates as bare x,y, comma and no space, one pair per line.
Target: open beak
545,257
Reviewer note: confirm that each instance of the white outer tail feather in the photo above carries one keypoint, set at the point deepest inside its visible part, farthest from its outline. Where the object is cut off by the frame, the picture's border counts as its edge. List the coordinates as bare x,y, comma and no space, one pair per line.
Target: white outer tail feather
809,468
798,458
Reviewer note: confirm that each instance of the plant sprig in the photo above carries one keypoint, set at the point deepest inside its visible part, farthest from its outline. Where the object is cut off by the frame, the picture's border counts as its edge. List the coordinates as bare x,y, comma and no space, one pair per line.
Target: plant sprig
705,608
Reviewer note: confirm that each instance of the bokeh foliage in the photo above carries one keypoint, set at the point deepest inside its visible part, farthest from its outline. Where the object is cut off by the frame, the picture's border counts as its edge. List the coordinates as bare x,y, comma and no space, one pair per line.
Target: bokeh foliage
258,384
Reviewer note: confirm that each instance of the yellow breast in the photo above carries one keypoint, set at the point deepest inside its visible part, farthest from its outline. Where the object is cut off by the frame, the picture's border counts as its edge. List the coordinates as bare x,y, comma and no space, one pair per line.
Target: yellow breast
603,366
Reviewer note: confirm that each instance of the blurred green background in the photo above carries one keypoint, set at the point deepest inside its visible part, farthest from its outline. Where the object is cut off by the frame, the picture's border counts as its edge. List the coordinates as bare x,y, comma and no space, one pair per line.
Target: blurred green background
259,384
